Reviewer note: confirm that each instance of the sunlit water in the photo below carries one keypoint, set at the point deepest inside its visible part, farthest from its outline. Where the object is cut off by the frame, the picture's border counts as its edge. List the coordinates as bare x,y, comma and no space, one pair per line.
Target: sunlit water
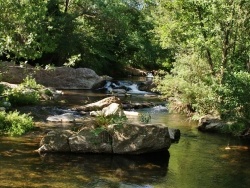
198,160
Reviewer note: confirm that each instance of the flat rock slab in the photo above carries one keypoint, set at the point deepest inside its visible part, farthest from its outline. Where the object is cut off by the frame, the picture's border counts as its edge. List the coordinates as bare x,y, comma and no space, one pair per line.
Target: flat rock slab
125,139
66,117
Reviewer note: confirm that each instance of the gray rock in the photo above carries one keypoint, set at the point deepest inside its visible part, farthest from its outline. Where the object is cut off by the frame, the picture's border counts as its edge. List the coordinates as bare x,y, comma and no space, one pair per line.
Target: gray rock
174,134
146,86
113,109
99,105
66,117
210,124
91,141
59,78
56,141
138,138
126,139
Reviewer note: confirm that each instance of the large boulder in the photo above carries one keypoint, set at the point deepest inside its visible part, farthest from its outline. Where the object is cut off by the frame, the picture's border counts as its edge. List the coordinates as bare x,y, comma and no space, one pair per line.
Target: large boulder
59,78
90,141
210,124
112,109
56,141
146,86
99,105
138,138
126,139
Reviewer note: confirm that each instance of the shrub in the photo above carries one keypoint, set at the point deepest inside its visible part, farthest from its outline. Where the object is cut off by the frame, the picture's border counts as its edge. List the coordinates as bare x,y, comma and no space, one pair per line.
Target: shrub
27,93
144,117
2,87
104,121
195,90
235,129
22,96
31,83
235,101
190,86
14,123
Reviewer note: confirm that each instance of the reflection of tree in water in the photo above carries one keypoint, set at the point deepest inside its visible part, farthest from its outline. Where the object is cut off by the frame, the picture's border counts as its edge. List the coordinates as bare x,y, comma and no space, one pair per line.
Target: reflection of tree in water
131,169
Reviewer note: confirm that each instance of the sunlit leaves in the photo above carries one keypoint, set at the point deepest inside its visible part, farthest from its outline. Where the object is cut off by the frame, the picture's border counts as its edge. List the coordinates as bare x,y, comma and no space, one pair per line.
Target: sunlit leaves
211,40
23,28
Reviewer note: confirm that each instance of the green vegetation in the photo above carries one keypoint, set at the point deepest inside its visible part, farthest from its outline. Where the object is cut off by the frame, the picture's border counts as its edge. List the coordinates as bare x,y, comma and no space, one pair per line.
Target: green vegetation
210,74
14,123
27,93
102,35
204,46
104,121
144,117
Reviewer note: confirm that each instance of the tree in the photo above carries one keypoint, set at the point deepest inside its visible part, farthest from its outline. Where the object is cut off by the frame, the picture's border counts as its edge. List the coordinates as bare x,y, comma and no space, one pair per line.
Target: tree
102,35
210,40
24,29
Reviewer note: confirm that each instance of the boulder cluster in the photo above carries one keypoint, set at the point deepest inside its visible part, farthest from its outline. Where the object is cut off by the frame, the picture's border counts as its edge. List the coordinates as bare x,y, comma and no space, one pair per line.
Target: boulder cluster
119,138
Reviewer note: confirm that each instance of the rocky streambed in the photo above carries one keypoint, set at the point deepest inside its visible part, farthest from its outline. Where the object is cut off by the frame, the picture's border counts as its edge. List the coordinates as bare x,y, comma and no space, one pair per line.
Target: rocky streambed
127,137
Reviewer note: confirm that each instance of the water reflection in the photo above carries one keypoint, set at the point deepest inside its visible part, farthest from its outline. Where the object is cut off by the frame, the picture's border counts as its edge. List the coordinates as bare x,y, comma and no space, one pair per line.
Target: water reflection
129,169
198,160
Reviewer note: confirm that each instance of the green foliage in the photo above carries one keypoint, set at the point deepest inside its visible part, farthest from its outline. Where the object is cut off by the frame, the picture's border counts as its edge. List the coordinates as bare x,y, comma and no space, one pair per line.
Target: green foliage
102,35
189,86
104,121
14,123
31,83
24,29
97,131
144,117
234,128
2,87
235,101
21,96
210,40
27,93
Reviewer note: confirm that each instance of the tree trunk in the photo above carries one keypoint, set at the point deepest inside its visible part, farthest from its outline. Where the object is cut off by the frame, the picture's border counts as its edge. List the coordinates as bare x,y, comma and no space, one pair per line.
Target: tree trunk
209,57
66,6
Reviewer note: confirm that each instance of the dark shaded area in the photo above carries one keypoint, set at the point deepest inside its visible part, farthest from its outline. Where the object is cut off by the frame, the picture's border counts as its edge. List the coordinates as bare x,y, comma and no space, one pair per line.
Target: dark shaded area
137,169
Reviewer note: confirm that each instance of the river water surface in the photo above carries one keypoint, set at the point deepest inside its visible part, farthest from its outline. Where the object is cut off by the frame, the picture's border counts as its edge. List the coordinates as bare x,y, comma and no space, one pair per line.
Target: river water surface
197,160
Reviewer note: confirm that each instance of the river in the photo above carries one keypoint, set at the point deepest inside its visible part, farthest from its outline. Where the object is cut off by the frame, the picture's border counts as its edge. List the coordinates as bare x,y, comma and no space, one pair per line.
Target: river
198,160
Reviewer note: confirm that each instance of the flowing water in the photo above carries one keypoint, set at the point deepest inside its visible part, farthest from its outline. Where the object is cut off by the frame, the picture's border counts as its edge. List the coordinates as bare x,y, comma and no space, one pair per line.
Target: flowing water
197,160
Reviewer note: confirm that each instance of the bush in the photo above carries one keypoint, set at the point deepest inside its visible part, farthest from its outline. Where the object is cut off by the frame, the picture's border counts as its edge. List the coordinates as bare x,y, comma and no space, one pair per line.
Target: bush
193,89
104,121
31,83
22,96
235,100
144,117
2,87
27,93
190,86
235,129
14,123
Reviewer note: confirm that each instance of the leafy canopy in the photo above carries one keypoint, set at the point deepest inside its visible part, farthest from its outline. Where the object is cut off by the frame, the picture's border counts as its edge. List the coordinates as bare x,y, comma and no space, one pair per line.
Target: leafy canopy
210,40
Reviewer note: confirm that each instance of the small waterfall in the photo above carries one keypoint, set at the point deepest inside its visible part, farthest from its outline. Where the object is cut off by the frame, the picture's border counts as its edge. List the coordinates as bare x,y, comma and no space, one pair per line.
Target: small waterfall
160,108
134,90
128,86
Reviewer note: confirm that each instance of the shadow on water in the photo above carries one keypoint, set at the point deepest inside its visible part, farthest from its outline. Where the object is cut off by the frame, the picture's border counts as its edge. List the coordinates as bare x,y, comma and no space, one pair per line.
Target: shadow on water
21,166
129,169
198,160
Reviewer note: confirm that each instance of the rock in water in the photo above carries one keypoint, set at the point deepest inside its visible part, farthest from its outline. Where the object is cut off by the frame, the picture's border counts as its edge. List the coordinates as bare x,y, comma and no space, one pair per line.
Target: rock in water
126,139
